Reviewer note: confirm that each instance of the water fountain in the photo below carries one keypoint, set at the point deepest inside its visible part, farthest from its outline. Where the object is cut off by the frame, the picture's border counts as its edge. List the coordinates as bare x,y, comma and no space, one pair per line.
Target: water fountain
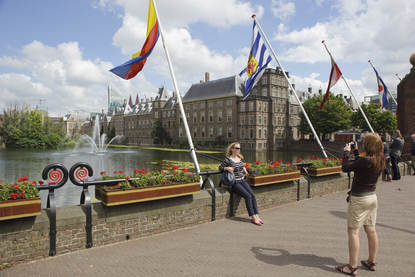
97,141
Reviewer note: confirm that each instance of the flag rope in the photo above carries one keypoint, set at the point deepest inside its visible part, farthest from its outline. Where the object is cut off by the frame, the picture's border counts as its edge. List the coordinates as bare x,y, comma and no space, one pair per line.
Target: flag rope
291,87
351,92
387,90
179,98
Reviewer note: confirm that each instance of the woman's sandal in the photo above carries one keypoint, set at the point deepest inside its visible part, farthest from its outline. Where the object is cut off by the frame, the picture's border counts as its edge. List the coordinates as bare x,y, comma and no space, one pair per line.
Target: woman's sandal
351,272
369,265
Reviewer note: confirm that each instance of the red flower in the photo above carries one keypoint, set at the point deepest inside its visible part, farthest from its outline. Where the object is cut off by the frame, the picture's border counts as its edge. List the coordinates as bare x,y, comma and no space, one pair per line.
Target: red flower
174,173
102,172
127,178
164,181
121,171
142,170
17,187
174,167
168,166
135,171
34,182
41,182
341,159
248,168
247,164
185,170
117,185
21,179
276,163
257,162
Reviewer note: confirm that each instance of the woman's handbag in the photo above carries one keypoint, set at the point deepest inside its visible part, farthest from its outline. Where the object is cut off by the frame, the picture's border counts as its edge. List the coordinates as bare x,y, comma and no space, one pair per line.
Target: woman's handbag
227,178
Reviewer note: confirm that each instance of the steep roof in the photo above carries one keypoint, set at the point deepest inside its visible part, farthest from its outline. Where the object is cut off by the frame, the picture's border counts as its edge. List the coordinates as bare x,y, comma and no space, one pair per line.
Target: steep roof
230,86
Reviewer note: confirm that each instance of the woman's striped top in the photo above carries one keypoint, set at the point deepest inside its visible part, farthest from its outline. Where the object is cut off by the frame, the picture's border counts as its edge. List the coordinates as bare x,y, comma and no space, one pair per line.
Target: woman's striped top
238,167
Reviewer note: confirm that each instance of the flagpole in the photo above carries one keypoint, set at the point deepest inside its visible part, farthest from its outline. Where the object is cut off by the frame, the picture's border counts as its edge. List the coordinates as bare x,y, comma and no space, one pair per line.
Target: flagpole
351,92
289,84
179,98
394,100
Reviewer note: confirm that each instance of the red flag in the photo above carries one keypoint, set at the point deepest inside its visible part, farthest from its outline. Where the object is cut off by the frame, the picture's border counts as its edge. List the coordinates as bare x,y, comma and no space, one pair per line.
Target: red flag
335,75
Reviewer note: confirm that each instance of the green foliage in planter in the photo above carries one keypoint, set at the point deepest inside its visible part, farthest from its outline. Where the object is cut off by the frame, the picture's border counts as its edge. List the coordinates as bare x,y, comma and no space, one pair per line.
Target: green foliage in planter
24,189
320,162
262,168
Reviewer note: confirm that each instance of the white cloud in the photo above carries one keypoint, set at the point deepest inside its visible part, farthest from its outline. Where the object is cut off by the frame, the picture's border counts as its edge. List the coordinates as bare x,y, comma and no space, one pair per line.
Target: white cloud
283,9
63,77
362,30
190,57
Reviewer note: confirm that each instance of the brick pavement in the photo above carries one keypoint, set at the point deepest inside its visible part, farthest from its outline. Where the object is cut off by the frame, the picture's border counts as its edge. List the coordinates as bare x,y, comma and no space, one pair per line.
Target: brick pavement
306,238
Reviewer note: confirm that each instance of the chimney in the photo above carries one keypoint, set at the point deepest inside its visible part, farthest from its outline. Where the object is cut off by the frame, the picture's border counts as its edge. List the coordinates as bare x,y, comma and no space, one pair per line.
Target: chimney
206,77
320,91
310,90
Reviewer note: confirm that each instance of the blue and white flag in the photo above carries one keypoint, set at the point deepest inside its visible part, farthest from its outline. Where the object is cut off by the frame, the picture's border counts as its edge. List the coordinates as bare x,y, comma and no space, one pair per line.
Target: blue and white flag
383,91
259,58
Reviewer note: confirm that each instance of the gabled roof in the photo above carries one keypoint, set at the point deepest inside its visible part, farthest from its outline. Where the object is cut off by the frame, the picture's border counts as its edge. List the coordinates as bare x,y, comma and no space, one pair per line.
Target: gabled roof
171,103
162,94
230,86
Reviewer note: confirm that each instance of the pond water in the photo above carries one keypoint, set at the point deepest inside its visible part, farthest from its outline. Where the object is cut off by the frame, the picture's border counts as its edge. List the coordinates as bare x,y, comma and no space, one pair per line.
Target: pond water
17,163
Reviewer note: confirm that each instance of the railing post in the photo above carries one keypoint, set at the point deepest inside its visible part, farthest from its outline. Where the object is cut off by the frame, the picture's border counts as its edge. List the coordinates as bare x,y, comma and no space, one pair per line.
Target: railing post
58,175
78,173
212,187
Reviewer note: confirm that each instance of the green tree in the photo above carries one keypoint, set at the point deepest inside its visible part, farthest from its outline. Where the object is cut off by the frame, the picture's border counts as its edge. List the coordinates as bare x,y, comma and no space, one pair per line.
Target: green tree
382,121
335,115
26,128
159,134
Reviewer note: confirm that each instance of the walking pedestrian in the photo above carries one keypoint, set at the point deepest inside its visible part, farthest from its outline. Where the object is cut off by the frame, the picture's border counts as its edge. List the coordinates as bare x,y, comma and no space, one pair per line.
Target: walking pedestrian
395,154
233,163
362,208
387,172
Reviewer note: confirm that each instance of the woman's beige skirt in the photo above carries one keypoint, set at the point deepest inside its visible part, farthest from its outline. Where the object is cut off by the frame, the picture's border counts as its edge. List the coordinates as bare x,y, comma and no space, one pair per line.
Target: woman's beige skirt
362,211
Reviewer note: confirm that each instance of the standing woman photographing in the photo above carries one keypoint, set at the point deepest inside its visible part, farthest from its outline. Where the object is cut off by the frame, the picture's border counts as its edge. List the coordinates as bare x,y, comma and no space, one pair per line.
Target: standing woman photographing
363,201
233,163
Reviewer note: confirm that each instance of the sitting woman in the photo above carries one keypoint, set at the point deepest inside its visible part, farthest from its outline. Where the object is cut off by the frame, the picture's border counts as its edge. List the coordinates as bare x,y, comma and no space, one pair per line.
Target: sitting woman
233,163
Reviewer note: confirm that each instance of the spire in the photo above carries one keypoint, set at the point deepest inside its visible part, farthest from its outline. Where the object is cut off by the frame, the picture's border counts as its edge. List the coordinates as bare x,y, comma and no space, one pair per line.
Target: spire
130,102
137,100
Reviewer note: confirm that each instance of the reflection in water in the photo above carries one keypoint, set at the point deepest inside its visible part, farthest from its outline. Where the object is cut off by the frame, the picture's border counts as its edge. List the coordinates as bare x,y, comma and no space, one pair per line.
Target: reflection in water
18,163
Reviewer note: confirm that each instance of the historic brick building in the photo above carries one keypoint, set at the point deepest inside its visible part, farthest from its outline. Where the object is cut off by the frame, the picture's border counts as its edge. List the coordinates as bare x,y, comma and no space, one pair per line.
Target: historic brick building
215,112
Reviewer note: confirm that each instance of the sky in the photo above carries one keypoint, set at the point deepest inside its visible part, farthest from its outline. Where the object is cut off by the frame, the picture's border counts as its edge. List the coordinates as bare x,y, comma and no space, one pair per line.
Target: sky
57,54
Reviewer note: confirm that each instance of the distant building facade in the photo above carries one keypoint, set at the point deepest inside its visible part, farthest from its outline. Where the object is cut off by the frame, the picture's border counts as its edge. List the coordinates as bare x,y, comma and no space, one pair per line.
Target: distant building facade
215,112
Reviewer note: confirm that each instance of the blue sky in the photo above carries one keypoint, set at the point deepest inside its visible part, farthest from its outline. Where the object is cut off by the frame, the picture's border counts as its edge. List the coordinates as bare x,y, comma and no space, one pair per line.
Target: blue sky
61,51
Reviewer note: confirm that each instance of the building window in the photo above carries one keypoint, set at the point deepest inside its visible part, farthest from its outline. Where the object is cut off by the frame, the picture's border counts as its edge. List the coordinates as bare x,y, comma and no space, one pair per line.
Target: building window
251,133
211,132
203,132
251,120
202,119
195,117
202,105
219,131
210,116
259,133
229,102
229,132
259,120
156,114
229,116
251,106
242,133
265,120
264,91
264,80
220,104
265,133
210,105
195,132
180,132
220,116
242,106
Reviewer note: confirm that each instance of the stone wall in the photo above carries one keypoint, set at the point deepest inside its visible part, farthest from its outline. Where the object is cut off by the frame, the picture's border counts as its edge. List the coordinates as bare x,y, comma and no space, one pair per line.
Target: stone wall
23,240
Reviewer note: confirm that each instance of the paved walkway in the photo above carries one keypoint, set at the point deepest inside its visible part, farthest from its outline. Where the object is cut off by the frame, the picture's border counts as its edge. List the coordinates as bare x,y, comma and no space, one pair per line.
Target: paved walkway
306,238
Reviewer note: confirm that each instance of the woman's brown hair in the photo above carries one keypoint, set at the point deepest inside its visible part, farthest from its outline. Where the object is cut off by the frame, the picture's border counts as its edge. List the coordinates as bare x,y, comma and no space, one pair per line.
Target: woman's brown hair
398,133
229,150
373,146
